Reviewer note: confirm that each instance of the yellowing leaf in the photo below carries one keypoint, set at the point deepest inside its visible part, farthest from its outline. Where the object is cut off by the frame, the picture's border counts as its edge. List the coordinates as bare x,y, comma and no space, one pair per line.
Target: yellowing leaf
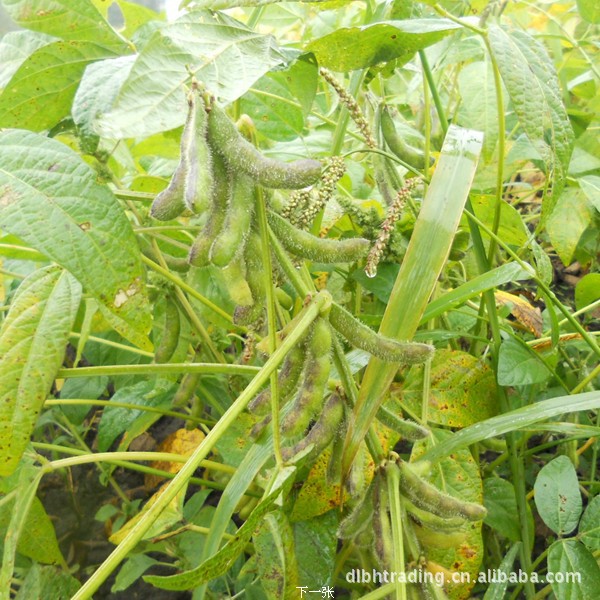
526,314
182,442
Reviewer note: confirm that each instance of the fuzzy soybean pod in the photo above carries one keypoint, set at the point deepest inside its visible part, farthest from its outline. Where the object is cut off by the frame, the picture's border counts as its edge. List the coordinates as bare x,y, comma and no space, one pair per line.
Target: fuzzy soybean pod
245,315
234,277
170,203
199,181
231,240
305,245
363,337
170,335
221,195
243,156
185,392
427,497
397,145
313,381
287,379
409,430
322,431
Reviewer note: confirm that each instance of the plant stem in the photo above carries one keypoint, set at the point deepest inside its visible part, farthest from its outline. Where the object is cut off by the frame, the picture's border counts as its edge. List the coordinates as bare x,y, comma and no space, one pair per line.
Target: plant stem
154,369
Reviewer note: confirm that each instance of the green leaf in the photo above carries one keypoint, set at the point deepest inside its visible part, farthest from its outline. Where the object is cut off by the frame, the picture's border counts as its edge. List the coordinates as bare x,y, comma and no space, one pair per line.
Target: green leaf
589,10
533,86
458,382
514,420
15,47
497,589
47,582
590,184
66,19
116,420
478,103
227,59
557,495
278,102
587,290
221,562
50,198
501,503
511,228
276,557
571,216
38,538
351,48
381,285
518,365
33,339
506,273
40,93
316,545
98,90
589,527
133,568
135,16
577,575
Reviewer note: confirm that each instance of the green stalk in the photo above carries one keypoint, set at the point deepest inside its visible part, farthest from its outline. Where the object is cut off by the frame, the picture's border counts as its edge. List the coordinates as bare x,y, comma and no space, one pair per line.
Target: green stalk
162,369
181,479
434,91
393,484
154,409
425,257
261,213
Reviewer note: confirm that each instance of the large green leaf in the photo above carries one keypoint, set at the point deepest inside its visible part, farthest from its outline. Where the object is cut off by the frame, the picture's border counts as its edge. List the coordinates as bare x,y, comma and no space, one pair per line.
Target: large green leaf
519,365
589,527
227,58
576,572
352,48
50,199
66,19
47,582
98,90
478,103
39,94
458,382
557,495
36,537
571,216
32,347
15,47
589,10
533,86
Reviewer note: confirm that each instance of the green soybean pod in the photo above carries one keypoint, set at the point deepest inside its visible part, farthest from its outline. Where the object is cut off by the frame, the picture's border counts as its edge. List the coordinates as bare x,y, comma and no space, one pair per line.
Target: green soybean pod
409,430
363,337
397,145
424,518
170,335
359,518
322,431
221,195
185,392
305,245
234,277
243,156
231,240
198,187
287,380
170,203
427,497
245,315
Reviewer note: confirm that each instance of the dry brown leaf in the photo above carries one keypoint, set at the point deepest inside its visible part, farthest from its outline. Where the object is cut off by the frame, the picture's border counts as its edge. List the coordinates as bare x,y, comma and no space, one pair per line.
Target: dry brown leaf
527,315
